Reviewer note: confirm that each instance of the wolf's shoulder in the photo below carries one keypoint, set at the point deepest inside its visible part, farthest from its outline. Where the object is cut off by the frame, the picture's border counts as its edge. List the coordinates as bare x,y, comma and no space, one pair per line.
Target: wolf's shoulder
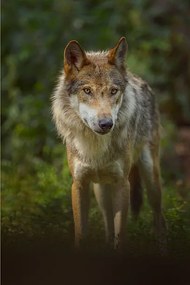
140,90
138,83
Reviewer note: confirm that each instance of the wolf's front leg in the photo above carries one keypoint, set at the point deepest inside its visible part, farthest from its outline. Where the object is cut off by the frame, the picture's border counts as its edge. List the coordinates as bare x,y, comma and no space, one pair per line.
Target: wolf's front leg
103,194
121,205
80,205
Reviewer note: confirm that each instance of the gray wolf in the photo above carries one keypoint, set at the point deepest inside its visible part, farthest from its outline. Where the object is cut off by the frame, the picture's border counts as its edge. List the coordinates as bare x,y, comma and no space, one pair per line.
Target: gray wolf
109,121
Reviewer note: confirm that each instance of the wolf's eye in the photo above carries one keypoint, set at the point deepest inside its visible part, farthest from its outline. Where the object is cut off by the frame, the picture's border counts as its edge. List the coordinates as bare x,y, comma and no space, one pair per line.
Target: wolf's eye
114,91
87,91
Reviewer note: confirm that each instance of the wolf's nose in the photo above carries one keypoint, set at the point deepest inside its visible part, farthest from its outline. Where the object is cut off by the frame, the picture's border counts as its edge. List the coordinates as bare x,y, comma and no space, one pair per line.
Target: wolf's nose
105,124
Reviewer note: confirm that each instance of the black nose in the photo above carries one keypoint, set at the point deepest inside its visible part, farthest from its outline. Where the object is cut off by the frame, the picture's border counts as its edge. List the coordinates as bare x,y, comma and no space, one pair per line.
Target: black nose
105,124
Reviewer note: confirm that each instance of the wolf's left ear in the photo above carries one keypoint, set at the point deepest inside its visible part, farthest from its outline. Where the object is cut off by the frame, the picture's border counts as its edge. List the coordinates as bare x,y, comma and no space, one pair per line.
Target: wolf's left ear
74,56
117,54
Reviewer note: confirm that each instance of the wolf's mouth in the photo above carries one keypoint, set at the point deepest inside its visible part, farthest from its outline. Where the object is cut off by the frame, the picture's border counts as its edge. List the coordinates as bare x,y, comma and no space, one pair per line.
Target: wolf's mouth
103,132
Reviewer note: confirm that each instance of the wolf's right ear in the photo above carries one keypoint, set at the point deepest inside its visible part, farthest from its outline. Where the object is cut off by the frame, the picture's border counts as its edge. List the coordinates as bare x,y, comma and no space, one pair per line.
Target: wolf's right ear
74,57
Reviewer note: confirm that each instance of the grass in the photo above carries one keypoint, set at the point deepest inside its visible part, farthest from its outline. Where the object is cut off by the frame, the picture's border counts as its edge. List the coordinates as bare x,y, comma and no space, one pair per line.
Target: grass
38,206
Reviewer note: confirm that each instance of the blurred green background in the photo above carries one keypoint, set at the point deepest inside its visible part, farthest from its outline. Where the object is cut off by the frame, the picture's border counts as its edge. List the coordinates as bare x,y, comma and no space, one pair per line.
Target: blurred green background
35,179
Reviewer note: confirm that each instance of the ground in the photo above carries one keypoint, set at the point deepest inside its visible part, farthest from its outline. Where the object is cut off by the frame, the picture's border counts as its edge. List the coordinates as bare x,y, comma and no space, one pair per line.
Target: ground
37,226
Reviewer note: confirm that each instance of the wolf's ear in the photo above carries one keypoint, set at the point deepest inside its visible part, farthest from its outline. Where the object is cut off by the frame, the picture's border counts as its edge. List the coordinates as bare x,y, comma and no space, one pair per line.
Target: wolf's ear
117,54
74,56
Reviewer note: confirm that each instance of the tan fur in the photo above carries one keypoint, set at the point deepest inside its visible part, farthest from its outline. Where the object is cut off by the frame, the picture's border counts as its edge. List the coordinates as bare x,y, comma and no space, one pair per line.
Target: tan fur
109,121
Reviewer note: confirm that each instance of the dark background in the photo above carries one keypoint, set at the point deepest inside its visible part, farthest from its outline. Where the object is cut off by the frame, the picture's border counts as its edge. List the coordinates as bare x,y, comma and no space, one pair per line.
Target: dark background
36,206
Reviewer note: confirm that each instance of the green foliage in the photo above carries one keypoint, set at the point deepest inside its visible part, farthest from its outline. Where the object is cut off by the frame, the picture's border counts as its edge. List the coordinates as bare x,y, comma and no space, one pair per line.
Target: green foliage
34,203
35,177
33,54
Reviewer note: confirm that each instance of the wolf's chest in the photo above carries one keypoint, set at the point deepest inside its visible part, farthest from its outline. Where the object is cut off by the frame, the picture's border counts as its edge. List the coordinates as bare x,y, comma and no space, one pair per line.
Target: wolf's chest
110,173
94,150
98,159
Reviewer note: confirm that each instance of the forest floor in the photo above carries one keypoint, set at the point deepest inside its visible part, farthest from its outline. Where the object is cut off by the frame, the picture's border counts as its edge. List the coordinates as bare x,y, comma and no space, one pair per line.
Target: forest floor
37,228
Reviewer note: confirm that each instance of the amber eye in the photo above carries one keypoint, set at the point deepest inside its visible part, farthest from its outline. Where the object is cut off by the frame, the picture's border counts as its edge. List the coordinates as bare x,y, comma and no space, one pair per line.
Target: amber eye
114,91
87,91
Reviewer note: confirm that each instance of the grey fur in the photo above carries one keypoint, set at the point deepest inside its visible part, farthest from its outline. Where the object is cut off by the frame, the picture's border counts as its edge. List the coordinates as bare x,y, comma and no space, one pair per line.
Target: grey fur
135,134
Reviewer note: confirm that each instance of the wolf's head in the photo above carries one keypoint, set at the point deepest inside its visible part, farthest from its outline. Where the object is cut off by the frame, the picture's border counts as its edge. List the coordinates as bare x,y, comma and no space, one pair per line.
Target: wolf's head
95,83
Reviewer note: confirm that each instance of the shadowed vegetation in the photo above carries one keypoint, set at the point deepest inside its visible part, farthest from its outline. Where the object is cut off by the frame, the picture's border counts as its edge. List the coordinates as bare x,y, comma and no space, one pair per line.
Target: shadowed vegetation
36,202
